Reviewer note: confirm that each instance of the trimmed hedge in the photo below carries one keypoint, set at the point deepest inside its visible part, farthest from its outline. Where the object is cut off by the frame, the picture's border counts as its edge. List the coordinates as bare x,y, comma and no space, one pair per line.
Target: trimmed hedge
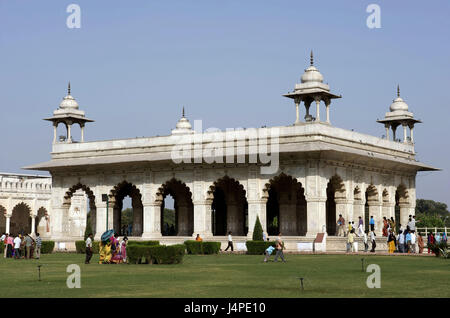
81,247
258,247
194,247
155,254
211,247
143,243
199,247
47,247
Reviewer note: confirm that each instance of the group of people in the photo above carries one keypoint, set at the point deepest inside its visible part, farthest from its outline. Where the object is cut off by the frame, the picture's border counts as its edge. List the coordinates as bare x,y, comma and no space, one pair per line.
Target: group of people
111,249
22,246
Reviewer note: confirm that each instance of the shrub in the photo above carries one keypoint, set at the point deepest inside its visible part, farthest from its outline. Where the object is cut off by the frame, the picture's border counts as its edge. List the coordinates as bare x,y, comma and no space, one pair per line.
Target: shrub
258,247
136,253
211,247
143,243
2,247
172,254
438,248
194,247
257,231
47,247
81,247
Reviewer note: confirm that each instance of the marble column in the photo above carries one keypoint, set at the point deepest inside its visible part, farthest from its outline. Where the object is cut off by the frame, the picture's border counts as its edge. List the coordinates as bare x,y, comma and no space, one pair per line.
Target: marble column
256,208
327,104
152,221
316,216
405,212
100,220
404,132
317,109
202,219
297,112
375,210
33,223
8,223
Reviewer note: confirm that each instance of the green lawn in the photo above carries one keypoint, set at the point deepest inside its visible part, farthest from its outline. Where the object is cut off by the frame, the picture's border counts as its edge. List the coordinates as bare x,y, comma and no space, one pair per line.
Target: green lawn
229,276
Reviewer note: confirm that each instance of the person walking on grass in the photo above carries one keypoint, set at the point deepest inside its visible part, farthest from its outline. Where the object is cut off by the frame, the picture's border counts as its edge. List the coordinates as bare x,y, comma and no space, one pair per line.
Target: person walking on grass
279,246
268,252
88,249
38,241
230,242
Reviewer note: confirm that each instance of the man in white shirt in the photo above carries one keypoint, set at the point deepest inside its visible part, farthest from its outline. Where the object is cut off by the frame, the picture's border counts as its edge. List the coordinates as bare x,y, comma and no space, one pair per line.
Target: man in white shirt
230,242
88,249
401,242
17,242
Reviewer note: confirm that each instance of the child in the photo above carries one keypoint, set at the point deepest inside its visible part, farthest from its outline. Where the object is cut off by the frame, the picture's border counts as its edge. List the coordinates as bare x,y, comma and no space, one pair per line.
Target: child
268,252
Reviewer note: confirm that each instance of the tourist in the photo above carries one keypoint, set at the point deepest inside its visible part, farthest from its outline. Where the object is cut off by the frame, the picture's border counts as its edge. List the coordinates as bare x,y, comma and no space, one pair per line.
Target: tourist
437,238
9,246
400,241
430,241
350,227
198,238
230,242
408,241
28,243
413,241
400,227
385,226
88,249
268,252
410,224
4,239
413,223
360,227
38,246
392,225
444,237
123,249
279,247
372,223
17,242
391,243
351,241
341,224
372,236
366,243
420,243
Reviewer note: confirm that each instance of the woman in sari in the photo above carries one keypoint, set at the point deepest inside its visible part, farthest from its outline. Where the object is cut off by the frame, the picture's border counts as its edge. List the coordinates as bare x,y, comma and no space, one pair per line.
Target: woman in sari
391,243
105,252
385,226
420,243
430,241
392,225
116,257
123,249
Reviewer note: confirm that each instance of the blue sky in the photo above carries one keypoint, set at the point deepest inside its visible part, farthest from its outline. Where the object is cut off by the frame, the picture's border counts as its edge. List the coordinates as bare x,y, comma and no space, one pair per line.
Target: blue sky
134,64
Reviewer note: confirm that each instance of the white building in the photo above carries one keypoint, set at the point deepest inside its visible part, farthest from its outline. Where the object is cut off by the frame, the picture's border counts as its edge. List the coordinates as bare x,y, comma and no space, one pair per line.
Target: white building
310,173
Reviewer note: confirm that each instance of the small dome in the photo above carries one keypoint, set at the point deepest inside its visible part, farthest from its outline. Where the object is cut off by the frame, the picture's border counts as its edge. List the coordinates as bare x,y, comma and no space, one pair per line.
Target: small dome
183,123
398,105
312,74
69,102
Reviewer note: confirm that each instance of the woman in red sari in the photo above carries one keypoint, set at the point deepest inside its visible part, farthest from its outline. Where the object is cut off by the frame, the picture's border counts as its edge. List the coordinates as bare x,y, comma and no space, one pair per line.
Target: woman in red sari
385,226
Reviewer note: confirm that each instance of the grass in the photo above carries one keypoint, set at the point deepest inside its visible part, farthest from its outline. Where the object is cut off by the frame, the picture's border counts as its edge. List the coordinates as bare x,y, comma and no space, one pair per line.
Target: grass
229,276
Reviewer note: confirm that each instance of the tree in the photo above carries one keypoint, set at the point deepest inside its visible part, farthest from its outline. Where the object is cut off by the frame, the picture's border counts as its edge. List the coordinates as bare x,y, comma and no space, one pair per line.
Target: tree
257,231
430,213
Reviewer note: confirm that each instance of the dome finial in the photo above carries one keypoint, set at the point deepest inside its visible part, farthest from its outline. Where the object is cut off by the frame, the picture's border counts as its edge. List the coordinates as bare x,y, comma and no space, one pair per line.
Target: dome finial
398,90
68,89
183,112
312,58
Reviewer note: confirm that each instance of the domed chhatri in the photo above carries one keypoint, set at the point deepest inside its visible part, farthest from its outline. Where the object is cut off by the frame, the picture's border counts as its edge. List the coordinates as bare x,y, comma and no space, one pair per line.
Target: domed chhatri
68,101
399,115
398,103
68,114
311,89
183,126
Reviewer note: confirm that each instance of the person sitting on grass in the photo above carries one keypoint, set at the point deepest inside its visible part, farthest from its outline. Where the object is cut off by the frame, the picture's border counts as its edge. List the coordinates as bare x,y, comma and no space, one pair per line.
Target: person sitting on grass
268,252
